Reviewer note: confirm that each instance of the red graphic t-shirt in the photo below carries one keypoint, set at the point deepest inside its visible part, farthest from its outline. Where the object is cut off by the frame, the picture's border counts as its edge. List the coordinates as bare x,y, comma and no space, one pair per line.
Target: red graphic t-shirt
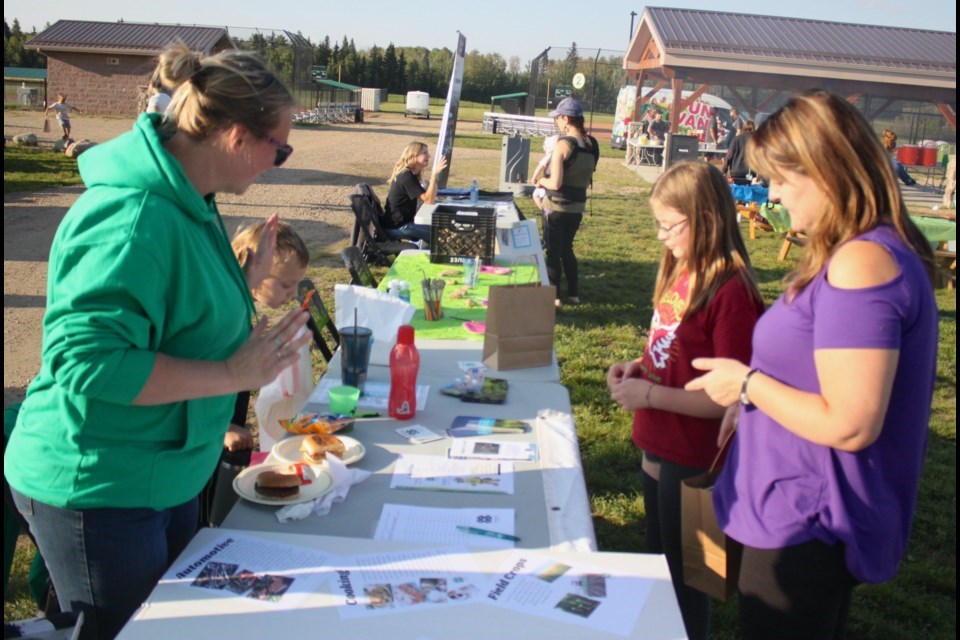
722,329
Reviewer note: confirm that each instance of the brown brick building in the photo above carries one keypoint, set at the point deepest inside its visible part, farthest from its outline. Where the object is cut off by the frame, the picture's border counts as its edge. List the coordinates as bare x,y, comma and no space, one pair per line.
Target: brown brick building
104,67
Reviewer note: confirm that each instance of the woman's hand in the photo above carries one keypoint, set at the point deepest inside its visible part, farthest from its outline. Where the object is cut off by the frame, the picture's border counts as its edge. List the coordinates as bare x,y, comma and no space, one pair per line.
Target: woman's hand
441,165
257,264
267,352
723,379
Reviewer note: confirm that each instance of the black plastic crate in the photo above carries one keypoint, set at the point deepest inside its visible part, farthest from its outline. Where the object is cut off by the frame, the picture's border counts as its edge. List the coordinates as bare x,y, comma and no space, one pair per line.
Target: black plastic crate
456,234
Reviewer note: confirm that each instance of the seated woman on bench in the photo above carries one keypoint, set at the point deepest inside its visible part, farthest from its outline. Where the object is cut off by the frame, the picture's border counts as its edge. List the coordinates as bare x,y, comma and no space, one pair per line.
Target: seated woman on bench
406,193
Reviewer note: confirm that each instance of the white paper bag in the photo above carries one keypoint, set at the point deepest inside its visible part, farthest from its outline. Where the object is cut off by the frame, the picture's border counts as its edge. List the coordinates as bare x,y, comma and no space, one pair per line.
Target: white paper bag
283,398
380,312
520,242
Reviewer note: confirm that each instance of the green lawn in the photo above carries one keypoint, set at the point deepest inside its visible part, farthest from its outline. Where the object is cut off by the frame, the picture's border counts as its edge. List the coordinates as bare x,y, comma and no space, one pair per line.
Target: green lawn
35,168
618,253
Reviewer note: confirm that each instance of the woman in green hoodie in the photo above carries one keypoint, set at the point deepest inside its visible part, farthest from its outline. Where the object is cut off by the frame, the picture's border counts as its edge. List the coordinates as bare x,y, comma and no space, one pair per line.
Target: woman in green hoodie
147,337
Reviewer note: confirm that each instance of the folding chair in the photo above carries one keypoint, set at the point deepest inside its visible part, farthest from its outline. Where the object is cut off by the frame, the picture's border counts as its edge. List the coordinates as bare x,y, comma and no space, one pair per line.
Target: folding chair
360,273
319,319
368,235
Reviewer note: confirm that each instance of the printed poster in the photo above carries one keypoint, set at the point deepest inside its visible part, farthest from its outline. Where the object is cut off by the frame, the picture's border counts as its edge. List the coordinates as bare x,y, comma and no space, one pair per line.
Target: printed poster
570,592
277,576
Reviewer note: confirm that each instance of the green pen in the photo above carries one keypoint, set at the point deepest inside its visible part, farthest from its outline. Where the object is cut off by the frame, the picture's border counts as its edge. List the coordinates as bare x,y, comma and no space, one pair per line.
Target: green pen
489,534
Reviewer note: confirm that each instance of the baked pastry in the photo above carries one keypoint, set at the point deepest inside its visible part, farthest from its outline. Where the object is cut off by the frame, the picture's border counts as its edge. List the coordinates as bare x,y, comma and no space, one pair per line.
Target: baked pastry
316,447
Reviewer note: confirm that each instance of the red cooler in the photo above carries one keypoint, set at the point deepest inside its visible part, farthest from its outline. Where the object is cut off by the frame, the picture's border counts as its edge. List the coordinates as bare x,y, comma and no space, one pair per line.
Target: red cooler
928,156
909,154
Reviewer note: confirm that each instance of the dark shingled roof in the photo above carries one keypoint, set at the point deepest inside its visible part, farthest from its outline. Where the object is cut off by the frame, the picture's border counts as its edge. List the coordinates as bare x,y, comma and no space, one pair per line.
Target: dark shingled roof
756,37
126,37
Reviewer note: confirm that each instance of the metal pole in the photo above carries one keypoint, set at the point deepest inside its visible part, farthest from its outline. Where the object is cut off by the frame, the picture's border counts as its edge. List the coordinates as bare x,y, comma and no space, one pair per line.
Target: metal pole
593,93
633,14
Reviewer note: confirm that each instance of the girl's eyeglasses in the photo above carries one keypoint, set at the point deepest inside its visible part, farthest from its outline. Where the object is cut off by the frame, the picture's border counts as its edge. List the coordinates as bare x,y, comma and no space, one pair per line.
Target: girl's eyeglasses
672,229
283,151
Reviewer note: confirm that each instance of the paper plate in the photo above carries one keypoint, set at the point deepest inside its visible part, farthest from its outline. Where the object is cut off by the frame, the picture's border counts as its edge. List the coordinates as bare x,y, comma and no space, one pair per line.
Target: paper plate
244,483
496,271
288,450
475,327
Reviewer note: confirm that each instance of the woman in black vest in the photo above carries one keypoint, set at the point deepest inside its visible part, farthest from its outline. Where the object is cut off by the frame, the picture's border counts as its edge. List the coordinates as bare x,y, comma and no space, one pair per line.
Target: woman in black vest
571,172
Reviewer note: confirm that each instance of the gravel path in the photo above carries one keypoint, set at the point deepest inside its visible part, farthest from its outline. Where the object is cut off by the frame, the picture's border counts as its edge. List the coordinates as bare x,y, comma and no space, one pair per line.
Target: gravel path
310,191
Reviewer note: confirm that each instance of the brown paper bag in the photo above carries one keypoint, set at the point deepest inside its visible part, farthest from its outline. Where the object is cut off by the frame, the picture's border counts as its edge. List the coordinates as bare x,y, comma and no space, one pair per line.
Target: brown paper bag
520,323
711,559
46,125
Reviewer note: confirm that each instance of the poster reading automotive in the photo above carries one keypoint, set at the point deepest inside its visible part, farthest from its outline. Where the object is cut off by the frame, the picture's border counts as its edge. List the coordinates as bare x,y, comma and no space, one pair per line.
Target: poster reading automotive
234,565
448,126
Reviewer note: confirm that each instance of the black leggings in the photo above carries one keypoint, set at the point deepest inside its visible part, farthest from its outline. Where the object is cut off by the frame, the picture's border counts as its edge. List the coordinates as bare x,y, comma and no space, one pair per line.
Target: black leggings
798,592
661,499
559,230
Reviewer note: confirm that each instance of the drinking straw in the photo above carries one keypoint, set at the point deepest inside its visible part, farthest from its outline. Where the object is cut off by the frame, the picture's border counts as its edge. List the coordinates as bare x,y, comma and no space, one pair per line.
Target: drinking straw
306,300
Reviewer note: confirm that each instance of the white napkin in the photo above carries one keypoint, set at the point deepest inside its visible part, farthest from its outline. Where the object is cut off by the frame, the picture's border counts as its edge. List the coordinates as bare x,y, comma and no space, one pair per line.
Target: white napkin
568,512
378,311
343,479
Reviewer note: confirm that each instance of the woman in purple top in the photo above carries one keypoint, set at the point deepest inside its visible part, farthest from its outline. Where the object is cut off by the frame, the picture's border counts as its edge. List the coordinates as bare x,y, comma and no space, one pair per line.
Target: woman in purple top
822,478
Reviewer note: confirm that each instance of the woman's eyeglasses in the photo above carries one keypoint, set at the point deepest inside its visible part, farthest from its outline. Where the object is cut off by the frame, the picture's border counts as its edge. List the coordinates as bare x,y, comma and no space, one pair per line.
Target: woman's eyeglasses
283,151
672,229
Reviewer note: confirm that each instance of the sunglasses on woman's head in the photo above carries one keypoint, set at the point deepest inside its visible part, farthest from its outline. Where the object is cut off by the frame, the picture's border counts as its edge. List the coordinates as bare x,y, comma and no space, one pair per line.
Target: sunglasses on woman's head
283,151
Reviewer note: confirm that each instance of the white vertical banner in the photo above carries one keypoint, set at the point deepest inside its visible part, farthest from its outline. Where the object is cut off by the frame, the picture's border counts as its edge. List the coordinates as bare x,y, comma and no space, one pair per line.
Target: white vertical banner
448,126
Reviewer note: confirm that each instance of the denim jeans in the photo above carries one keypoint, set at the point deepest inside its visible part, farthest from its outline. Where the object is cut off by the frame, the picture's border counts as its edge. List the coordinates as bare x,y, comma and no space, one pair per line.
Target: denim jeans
901,172
105,562
410,230
559,230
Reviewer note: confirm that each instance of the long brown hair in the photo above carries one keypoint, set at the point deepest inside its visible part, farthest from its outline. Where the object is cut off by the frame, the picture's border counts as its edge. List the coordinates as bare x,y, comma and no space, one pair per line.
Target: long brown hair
716,251
824,137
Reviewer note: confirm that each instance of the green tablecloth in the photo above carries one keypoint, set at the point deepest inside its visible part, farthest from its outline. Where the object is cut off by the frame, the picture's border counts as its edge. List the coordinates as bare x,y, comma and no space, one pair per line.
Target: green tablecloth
414,268
936,229
777,216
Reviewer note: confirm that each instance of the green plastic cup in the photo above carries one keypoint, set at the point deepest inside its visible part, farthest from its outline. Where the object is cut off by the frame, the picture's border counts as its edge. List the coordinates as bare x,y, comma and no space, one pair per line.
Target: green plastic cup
343,400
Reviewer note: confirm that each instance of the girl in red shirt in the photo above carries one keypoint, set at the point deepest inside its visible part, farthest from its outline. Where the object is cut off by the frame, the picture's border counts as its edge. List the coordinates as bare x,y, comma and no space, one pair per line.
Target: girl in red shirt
705,302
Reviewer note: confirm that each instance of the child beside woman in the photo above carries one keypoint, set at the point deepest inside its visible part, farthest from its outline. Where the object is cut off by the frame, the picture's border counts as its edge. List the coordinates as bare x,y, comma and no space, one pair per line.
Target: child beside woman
706,303
273,289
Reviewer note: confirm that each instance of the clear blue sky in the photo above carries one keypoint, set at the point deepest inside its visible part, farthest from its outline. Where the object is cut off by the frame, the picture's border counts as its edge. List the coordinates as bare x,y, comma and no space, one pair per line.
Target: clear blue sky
508,27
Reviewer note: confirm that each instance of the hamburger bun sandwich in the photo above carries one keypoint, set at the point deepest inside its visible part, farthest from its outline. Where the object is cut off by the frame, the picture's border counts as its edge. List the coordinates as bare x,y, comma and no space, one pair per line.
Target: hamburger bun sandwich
316,447
277,486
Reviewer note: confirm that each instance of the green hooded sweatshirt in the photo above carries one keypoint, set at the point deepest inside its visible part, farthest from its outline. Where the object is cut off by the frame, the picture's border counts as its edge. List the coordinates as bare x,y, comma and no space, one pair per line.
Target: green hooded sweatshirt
140,265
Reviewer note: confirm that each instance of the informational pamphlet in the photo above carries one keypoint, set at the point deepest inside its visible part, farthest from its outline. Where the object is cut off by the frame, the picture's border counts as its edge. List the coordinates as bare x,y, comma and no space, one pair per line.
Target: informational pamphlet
436,473
465,426
484,449
418,434
570,592
377,584
447,526
278,576
376,395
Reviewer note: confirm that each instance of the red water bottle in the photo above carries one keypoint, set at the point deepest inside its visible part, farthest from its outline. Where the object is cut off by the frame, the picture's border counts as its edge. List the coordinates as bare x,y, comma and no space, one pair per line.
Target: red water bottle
404,365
